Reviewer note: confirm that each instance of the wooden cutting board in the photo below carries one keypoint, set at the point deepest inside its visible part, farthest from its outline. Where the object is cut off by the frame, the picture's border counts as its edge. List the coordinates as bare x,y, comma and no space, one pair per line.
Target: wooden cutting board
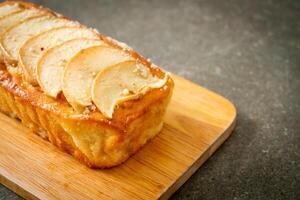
197,122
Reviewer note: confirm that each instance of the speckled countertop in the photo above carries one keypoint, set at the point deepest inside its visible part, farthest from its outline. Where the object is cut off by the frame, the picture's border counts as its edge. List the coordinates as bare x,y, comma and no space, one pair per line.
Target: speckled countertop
248,51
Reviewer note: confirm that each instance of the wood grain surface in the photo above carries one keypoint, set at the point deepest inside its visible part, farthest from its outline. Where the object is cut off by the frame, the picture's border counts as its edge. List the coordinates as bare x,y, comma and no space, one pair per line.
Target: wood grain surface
197,122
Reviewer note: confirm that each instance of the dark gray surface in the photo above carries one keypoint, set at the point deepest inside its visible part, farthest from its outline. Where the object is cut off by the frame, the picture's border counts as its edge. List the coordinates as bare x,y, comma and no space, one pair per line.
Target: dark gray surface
248,51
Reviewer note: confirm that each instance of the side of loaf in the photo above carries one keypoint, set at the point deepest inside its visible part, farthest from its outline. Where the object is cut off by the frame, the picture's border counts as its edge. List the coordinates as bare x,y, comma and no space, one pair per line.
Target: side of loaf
86,93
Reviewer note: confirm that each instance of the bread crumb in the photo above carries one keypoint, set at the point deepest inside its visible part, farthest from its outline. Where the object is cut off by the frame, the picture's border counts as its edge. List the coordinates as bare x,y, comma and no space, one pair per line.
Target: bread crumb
125,92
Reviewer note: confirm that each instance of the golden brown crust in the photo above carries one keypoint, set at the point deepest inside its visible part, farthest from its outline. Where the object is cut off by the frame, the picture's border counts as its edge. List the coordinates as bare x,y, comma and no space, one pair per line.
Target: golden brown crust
90,137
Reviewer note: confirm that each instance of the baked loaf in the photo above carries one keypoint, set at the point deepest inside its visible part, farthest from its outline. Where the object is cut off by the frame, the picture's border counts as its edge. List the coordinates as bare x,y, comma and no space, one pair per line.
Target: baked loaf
86,93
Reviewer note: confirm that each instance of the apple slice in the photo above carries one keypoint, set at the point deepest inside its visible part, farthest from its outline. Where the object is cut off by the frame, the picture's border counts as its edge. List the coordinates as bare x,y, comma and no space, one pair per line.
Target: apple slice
13,38
51,66
6,9
35,47
83,68
122,82
15,17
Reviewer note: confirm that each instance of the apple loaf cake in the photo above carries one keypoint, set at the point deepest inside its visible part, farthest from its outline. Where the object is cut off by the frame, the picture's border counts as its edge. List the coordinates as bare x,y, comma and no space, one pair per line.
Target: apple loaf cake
88,94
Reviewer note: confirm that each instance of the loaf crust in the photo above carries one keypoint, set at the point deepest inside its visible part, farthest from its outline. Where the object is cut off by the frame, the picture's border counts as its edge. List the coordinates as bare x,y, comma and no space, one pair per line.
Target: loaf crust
93,139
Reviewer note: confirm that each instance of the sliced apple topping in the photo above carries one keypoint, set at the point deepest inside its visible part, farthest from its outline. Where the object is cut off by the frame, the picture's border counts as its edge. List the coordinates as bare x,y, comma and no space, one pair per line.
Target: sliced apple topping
13,38
8,8
124,81
13,18
82,69
35,47
51,66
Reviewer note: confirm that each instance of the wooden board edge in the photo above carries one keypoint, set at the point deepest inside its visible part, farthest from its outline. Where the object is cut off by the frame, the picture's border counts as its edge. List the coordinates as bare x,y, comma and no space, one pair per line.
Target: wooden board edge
202,158
16,188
